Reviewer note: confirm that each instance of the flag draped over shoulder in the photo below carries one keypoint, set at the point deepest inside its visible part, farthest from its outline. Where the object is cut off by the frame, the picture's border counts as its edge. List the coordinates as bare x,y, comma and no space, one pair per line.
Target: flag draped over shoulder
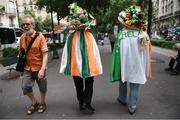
115,71
131,57
81,55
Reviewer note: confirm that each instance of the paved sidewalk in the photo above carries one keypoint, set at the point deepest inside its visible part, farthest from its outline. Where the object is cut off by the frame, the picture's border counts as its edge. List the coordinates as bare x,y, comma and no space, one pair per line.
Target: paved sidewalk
163,51
159,98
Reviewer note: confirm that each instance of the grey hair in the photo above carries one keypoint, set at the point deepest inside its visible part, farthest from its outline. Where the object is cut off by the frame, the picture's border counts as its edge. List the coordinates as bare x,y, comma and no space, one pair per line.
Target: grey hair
30,17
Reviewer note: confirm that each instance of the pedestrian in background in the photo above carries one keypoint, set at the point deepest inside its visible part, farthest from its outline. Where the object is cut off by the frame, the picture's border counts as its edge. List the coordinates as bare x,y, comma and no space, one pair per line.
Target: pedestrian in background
175,71
112,41
80,57
35,67
131,59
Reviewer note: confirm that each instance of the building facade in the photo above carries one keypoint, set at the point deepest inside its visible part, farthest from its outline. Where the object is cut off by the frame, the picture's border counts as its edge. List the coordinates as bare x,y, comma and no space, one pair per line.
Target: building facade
167,14
23,5
8,13
11,10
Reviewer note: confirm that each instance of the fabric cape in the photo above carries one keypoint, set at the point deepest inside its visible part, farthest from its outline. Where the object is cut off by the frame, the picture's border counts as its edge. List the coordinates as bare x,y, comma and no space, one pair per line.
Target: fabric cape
80,55
126,58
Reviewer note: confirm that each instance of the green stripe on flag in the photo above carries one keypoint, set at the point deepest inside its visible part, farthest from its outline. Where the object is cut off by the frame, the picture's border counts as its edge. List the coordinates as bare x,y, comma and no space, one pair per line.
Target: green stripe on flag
85,65
69,46
115,72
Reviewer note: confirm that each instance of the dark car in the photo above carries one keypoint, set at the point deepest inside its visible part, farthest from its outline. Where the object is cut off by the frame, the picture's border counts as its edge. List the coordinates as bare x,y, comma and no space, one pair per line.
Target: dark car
7,35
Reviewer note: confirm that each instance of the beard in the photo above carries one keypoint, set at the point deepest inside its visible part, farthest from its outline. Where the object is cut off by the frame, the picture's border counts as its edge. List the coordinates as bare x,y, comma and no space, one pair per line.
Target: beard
29,32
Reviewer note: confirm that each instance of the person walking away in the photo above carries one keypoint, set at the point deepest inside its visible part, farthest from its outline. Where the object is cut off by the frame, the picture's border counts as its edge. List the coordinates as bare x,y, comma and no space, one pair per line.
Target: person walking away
112,40
80,57
131,59
35,67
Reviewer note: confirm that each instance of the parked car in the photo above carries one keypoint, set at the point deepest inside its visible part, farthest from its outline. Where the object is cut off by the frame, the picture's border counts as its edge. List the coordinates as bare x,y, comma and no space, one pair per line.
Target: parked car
9,37
169,38
19,32
177,30
156,37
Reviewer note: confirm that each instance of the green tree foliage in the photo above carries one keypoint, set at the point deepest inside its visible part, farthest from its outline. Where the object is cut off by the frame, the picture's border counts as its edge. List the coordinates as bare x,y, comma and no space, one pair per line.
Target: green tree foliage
61,6
107,18
47,24
105,11
10,52
40,25
38,20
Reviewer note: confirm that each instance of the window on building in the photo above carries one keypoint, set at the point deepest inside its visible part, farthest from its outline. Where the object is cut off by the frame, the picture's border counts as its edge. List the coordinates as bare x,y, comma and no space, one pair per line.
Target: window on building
35,8
11,21
1,24
11,1
11,5
24,2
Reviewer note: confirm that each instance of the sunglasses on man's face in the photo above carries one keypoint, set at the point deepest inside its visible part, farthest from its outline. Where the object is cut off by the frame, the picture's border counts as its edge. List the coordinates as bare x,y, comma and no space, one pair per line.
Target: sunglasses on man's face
27,24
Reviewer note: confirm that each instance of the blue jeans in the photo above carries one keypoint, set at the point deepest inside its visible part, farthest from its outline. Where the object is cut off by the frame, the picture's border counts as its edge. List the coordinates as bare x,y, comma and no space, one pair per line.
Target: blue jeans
133,94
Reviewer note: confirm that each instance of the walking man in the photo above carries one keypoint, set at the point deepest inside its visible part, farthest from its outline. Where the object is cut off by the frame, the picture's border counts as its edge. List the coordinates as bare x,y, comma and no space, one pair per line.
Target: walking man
35,67
131,59
81,58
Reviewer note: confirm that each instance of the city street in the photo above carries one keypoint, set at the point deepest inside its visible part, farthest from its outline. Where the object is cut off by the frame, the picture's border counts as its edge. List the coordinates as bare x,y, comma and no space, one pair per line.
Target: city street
159,98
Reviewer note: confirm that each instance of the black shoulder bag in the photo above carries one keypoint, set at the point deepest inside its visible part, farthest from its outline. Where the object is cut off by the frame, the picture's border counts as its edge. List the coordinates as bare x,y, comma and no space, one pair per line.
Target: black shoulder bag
22,55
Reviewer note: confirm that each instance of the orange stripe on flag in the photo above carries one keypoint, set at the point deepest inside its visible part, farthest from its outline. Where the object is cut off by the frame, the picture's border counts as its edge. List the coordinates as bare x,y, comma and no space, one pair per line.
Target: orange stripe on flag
149,65
74,69
91,58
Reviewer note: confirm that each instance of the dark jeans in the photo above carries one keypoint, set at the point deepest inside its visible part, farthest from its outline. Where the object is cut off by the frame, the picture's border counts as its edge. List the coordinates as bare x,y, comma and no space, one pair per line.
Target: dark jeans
172,62
84,95
112,46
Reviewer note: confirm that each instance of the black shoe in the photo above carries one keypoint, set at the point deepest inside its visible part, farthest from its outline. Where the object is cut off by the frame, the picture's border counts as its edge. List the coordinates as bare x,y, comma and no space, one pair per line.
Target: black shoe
169,69
89,108
81,107
122,103
174,72
130,112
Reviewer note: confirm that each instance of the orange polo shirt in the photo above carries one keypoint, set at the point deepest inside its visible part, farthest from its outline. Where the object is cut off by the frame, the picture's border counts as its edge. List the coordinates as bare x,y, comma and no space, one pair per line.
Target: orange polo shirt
35,54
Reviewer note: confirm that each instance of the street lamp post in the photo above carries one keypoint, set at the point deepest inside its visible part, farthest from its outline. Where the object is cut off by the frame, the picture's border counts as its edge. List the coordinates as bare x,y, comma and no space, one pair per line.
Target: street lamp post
55,53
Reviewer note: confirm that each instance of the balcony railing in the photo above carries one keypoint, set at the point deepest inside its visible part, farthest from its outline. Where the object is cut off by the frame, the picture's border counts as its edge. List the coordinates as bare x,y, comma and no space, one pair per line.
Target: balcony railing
177,12
2,10
11,12
11,25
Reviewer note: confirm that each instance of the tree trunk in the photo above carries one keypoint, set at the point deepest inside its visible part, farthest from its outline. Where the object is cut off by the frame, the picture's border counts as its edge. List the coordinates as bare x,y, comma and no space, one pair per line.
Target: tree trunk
149,17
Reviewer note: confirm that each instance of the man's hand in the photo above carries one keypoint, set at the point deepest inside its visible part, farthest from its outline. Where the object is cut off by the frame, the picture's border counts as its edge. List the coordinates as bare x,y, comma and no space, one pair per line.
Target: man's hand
41,74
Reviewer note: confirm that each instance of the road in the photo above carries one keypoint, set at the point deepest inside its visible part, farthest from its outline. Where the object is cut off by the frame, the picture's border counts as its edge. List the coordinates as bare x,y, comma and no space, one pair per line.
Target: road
159,98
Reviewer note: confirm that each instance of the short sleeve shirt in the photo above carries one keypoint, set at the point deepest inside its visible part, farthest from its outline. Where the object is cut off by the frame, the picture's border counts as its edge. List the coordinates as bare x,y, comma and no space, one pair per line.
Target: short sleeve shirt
35,54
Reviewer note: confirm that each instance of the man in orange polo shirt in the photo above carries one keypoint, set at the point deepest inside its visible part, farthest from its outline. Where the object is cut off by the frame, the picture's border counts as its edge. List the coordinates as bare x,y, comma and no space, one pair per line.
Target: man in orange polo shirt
35,67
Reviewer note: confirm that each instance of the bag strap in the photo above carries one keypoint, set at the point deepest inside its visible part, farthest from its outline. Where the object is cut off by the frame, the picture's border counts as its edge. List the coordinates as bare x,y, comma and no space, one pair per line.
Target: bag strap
31,42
